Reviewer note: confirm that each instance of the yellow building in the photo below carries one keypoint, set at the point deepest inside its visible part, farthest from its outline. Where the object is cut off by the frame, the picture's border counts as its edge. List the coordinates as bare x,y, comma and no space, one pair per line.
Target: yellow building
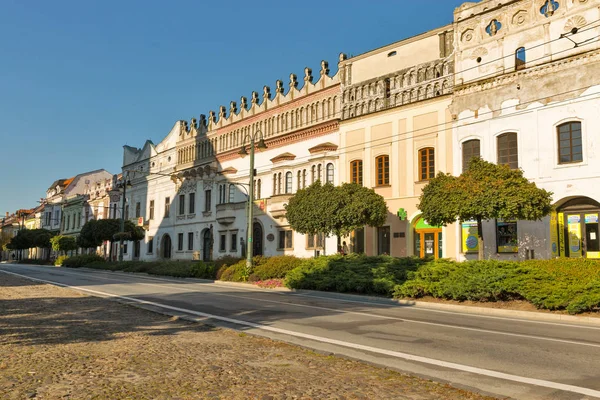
396,134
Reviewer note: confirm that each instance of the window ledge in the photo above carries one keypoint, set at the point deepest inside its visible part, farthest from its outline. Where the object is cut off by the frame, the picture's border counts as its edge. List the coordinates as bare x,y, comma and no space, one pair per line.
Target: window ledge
206,213
381,186
423,181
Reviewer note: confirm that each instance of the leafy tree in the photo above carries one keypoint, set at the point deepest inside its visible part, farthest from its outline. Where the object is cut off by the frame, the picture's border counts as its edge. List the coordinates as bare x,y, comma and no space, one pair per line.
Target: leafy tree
96,232
5,238
485,191
327,209
63,243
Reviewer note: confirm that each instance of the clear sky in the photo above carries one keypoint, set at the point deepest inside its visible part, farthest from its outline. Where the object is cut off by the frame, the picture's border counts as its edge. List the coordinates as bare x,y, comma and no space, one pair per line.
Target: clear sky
79,79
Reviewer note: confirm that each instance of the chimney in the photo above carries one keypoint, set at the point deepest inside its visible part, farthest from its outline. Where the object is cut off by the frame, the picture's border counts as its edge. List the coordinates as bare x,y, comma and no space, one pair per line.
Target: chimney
7,214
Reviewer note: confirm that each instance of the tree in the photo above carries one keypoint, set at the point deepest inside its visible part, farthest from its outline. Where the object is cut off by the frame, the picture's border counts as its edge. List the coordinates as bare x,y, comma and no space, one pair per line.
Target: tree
485,191
96,232
63,243
339,210
5,238
30,238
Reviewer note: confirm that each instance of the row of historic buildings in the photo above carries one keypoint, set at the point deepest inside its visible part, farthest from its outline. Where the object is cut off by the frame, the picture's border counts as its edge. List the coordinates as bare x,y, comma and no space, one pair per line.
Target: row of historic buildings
515,83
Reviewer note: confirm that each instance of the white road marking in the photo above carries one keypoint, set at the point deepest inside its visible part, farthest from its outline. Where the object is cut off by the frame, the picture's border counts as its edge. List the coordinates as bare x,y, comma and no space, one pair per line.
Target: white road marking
391,353
395,305
370,315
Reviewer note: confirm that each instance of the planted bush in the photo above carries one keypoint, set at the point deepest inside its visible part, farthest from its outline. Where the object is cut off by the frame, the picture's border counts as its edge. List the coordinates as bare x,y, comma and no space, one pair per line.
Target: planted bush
81,260
353,274
274,267
560,284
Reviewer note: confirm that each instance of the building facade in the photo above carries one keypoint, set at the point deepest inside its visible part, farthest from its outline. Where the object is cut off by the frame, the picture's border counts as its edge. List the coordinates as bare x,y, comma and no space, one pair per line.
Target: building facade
190,191
396,134
527,94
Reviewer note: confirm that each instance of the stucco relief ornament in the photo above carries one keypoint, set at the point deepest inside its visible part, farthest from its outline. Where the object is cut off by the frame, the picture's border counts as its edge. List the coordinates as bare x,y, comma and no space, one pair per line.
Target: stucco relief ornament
467,35
293,81
324,68
308,75
520,18
232,108
266,93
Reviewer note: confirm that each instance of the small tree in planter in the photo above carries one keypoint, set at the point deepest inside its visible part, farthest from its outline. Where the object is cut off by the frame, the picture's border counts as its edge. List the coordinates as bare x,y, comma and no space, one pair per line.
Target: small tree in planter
485,191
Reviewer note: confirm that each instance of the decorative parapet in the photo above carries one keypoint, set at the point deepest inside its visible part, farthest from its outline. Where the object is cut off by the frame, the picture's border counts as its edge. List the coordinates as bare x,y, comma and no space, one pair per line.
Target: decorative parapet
274,115
402,87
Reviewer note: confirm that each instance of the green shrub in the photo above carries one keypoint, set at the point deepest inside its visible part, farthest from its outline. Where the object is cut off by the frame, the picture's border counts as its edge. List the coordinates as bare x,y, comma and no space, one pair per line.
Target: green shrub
59,261
82,260
355,273
273,267
559,284
234,273
33,261
203,270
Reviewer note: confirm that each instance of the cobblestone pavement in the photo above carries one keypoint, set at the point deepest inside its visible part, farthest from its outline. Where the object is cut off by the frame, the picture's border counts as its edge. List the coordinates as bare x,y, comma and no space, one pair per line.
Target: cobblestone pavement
58,344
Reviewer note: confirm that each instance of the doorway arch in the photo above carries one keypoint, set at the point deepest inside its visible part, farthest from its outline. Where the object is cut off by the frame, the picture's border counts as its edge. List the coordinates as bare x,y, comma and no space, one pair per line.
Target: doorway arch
166,246
428,239
207,244
257,239
574,228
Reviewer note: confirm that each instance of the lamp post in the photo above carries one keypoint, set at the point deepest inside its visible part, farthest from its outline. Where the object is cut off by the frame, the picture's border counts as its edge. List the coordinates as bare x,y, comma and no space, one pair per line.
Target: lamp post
257,135
125,184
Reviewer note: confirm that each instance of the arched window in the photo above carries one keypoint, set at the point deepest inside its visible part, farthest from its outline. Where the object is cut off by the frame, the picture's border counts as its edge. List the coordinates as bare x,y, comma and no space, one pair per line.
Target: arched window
470,149
520,59
319,171
382,165
274,184
329,171
569,143
356,172
508,150
313,174
303,178
426,163
279,183
288,182
257,187
231,193
299,183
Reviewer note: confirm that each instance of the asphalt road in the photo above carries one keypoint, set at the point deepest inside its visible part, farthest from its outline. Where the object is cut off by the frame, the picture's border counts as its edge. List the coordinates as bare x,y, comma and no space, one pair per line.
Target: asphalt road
493,355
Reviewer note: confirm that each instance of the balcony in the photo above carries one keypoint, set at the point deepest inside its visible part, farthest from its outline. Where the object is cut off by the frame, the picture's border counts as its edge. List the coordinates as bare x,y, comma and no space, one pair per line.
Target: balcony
226,212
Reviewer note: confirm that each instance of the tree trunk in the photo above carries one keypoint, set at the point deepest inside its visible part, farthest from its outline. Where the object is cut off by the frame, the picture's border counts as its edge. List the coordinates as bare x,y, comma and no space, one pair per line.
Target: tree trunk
480,238
110,251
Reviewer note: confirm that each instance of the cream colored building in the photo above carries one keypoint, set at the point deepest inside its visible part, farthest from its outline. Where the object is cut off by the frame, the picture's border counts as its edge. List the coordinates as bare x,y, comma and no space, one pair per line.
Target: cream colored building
396,134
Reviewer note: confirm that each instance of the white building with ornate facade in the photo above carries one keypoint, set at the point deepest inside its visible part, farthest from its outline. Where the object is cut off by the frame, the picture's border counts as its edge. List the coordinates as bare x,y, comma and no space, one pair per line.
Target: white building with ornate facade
190,190
527,94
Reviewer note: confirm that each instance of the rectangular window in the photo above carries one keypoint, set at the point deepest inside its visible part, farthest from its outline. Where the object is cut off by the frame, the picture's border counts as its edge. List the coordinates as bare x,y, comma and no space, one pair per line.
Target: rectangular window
181,204
470,149
234,242
190,240
138,209
382,164
285,240
427,164
222,242
79,220
126,212
506,236
315,241
192,205
167,206
207,200
125,247
387,88
356,170
383,240
150,244
508,152
569,143
151,210
180,241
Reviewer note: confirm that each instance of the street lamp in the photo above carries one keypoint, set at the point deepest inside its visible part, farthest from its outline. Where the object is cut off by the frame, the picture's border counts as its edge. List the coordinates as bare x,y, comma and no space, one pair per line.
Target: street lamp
261,145
126,183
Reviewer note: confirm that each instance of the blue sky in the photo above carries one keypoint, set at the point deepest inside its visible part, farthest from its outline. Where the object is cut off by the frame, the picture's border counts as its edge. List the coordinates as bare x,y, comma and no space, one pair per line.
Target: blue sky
79,79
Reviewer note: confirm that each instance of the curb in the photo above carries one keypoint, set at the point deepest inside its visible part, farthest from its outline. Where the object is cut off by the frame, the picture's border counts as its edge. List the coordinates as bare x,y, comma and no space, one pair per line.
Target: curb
473,310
